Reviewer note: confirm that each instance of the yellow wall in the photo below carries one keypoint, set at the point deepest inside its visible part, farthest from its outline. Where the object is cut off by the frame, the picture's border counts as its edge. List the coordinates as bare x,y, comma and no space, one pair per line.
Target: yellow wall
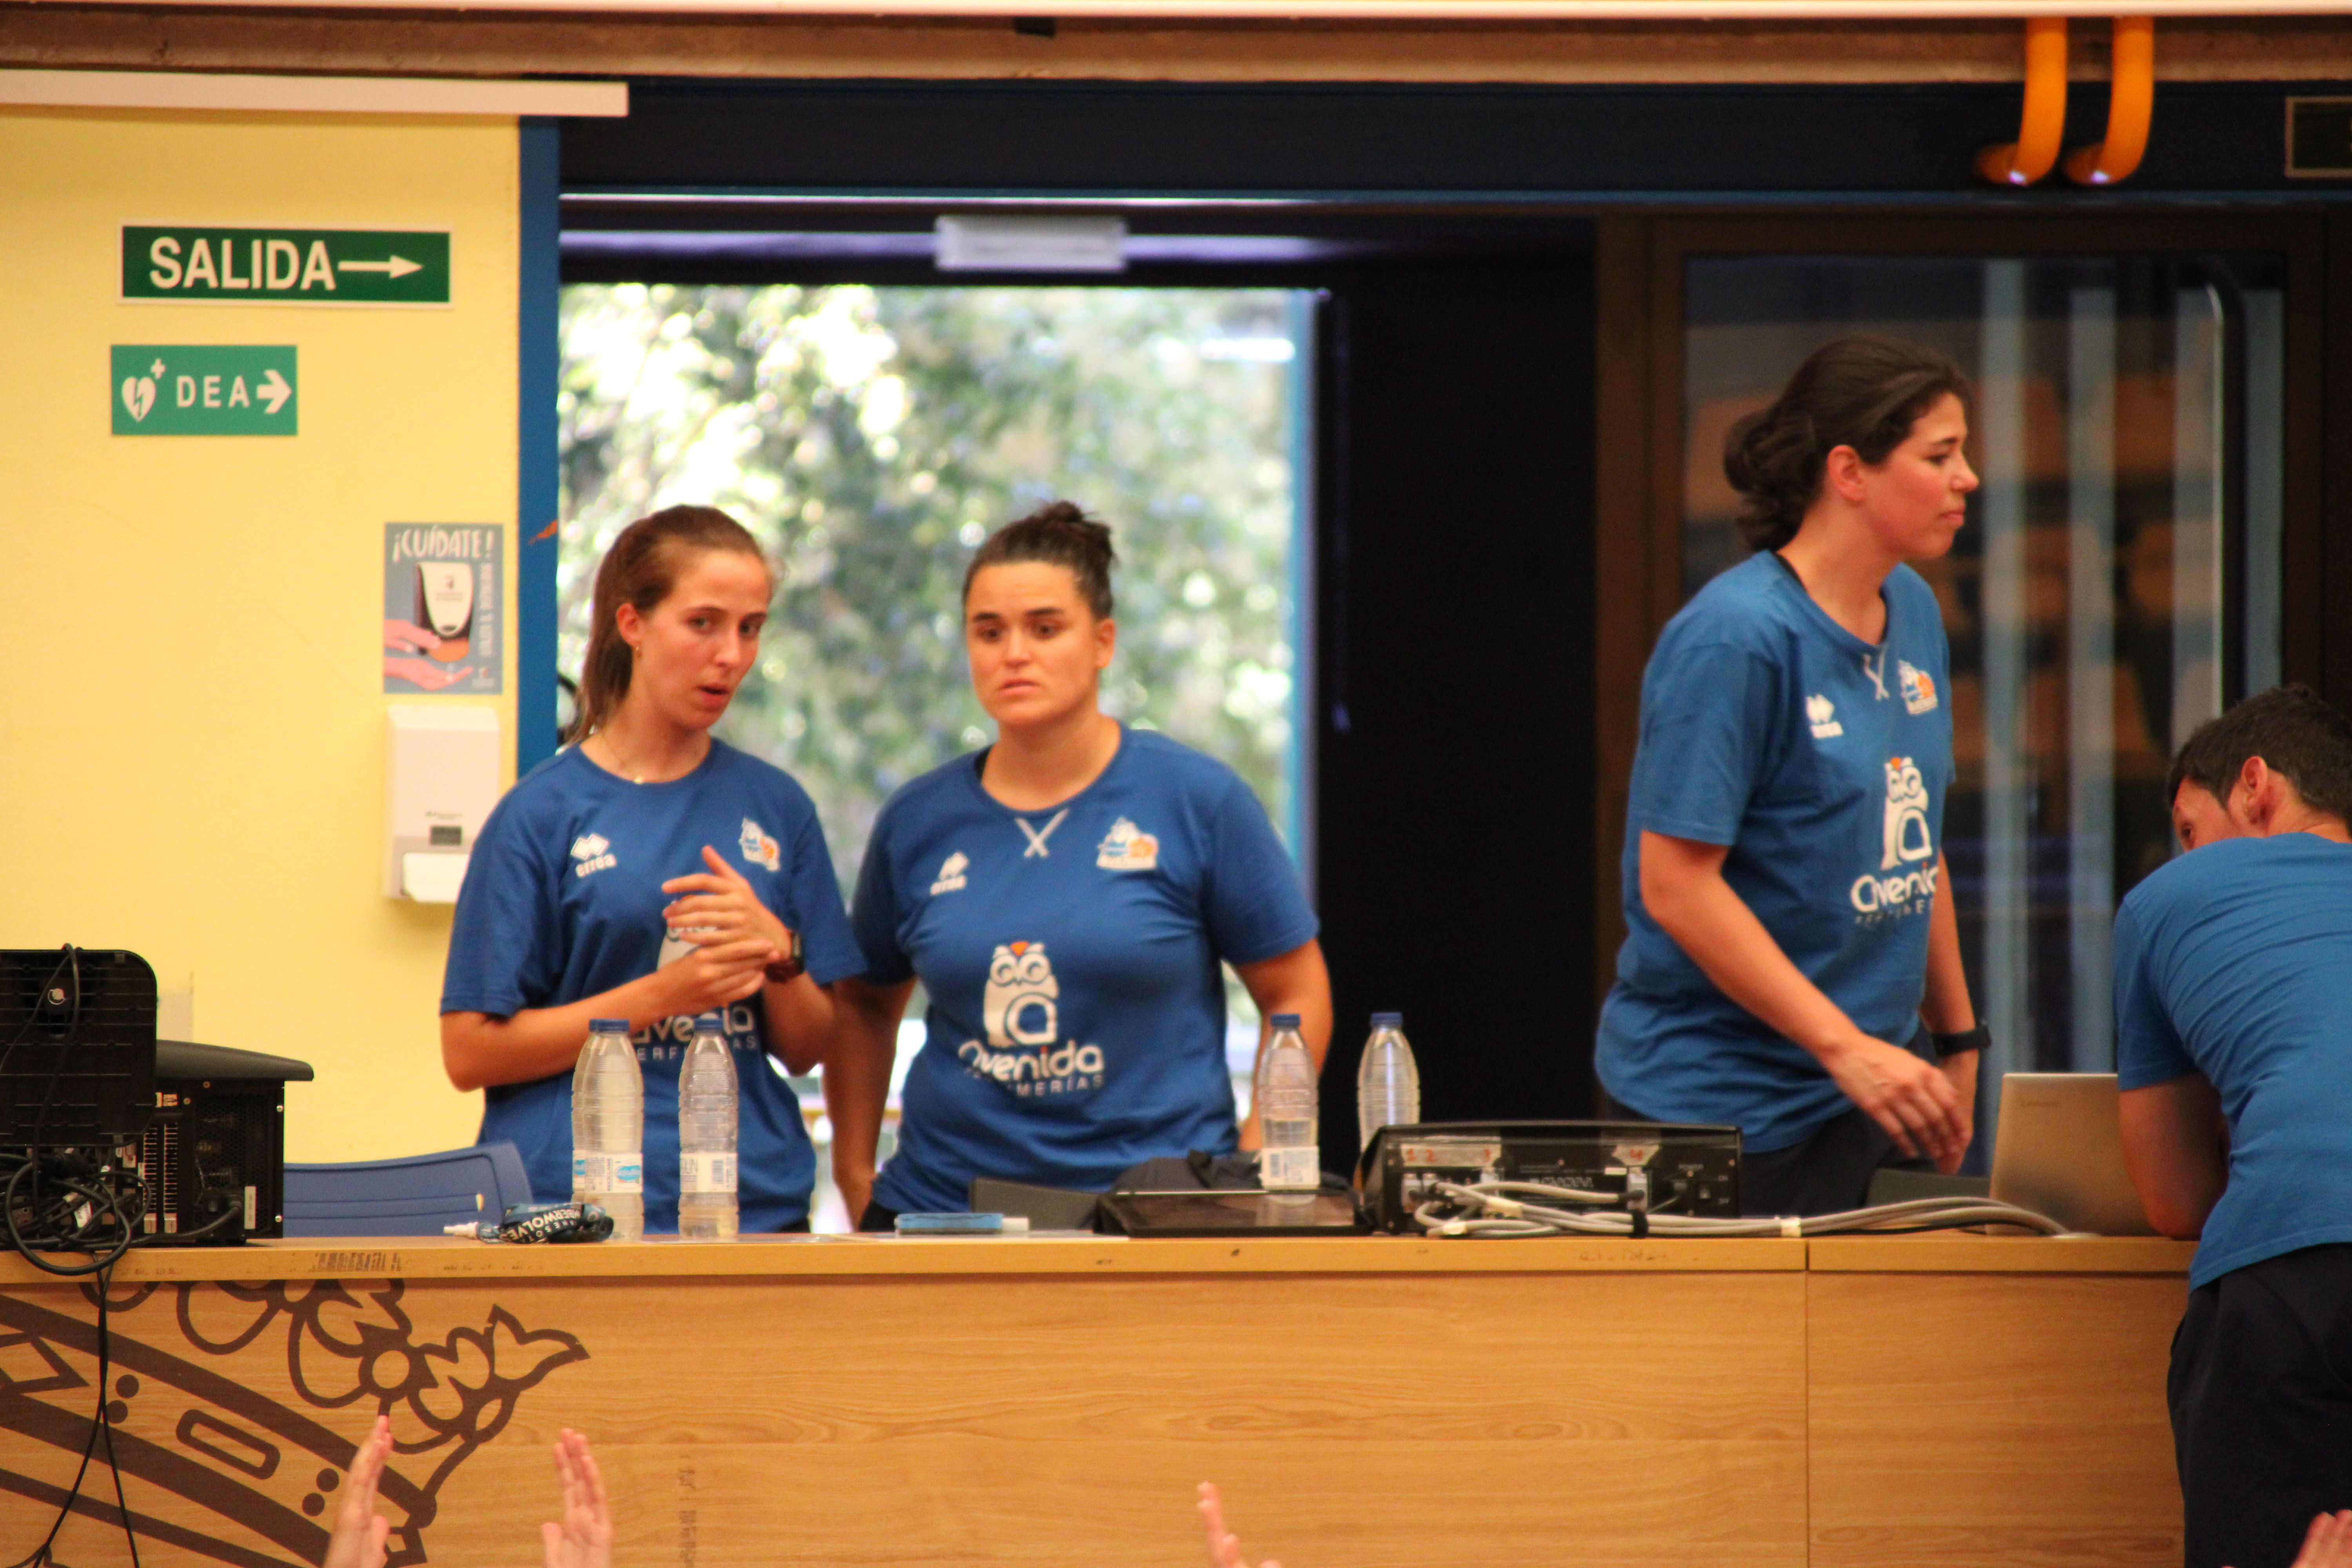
191,702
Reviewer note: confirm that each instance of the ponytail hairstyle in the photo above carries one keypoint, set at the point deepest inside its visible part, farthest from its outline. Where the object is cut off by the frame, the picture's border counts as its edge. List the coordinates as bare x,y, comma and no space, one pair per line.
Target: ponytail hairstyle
1865,392
642,569
1060,535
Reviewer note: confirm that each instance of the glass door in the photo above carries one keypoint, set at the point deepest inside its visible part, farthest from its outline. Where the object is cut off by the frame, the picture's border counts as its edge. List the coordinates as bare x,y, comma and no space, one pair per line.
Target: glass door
2118,584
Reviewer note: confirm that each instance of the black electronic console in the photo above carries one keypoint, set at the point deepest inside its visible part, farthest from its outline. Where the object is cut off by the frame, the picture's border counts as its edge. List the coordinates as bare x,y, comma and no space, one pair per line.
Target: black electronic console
77,1087
212,1162
76,1047
1668,1167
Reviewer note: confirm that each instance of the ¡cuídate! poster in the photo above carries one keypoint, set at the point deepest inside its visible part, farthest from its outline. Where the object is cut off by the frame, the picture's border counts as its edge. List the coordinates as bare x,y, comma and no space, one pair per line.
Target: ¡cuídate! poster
441,602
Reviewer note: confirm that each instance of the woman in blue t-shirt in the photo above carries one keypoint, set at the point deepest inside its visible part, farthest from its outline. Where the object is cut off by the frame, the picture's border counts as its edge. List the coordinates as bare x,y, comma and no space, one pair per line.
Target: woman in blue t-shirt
650,872
1783,861
1067,897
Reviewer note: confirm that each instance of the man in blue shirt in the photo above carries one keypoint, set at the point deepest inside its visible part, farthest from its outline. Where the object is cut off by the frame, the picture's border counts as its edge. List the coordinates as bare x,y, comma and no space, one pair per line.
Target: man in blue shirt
2234,1010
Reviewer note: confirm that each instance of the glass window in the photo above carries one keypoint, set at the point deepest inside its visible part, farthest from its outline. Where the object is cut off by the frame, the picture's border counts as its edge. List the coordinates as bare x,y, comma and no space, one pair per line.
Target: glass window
873,436
2118,581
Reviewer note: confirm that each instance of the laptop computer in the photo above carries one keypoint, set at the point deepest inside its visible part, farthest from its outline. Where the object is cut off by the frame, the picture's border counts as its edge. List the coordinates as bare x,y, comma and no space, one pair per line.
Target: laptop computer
2060,1153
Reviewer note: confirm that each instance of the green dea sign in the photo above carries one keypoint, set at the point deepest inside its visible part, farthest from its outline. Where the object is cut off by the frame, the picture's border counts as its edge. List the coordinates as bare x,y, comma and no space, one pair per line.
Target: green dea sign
287,266
165,389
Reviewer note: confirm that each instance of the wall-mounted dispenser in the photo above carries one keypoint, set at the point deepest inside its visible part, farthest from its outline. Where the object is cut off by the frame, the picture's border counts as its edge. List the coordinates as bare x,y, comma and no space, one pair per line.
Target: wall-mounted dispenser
440,780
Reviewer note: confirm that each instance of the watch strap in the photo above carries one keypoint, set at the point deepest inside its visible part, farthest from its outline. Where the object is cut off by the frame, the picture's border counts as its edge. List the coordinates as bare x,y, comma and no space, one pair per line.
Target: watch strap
1975,1039
791,966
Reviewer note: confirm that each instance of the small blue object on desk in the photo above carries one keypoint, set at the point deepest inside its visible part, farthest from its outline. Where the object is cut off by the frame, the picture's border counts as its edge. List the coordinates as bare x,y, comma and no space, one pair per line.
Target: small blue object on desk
962,1224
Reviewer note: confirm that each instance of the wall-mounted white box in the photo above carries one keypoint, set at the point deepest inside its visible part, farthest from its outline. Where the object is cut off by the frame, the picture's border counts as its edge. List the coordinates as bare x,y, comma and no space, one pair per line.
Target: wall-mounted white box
440,781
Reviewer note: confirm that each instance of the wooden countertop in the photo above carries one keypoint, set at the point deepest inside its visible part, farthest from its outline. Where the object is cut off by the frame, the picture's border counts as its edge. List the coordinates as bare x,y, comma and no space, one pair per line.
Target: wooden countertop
442,1257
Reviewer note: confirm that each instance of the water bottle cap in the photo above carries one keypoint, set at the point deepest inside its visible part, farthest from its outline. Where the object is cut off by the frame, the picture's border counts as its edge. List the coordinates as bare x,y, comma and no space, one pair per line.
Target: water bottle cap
1285,1020
608,1026
709,1023
1388,1020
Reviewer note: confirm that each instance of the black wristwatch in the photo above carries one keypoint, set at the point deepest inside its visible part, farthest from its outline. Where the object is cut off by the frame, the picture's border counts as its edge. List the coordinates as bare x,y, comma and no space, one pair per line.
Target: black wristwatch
789,966
1975,1039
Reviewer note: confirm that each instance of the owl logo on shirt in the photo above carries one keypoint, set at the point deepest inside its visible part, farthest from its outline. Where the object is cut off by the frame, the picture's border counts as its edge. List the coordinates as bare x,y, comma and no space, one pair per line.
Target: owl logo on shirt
1907,834
757,848
1018,1007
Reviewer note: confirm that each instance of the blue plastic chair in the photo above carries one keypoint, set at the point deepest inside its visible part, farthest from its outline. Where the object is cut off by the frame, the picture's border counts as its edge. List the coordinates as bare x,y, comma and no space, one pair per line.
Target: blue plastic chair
412,1196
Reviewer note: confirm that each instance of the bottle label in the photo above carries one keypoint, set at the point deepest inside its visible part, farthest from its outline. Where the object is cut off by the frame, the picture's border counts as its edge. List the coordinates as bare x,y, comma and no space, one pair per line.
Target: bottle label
608,1172
1290,1168
710,1173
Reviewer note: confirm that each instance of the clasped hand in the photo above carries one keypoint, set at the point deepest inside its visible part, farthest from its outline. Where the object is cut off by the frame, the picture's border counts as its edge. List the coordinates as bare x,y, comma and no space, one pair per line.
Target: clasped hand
735,936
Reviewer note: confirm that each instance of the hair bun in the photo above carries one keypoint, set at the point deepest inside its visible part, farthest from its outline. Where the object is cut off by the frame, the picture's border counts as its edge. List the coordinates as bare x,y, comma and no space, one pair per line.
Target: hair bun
1059,533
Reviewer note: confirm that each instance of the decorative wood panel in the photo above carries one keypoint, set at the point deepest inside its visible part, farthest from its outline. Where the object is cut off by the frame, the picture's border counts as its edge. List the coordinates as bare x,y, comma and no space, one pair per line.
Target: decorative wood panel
818,1414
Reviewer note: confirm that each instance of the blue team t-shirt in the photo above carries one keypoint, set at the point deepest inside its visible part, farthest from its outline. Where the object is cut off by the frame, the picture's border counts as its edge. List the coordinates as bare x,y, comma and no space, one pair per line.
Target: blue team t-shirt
1077,1013
562,899
2235,960
1822,762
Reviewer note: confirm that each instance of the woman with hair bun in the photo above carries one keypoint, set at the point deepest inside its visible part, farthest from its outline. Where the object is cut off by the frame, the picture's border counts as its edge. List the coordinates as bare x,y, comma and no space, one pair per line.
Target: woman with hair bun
1067,897
1791,964
649,872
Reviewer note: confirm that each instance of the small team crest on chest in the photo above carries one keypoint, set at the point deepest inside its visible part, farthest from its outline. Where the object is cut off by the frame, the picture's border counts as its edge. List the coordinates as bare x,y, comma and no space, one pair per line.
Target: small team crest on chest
1918,689
594,852
1128,849
951,878
758,848
1821,714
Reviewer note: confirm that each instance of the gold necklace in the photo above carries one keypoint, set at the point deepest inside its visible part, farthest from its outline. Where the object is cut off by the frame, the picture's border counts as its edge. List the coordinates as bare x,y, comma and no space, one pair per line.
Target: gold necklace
627,770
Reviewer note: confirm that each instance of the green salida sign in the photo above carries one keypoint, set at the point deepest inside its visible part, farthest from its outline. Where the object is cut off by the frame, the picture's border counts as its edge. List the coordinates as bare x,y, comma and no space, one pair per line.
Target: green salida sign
204,389
287,266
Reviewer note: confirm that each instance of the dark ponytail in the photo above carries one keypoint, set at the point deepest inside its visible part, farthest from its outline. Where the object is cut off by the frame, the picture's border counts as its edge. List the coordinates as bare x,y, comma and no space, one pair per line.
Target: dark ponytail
1060,535
641,569
1865,392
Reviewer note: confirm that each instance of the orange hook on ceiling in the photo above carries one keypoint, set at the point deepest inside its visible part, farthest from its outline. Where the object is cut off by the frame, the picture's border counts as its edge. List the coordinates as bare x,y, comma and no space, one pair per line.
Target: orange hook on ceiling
2041,130
2129,109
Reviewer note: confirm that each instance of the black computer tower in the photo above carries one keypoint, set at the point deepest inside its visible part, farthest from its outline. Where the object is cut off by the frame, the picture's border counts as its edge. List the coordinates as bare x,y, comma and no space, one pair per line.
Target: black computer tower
213,1159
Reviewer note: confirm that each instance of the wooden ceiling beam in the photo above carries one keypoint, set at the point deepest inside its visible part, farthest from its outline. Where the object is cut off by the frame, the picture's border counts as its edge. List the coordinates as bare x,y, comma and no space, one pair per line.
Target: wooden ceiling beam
118,37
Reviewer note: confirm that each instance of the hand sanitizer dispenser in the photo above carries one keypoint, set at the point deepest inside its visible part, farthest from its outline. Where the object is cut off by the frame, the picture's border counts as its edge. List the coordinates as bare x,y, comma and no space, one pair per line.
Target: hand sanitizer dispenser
440,780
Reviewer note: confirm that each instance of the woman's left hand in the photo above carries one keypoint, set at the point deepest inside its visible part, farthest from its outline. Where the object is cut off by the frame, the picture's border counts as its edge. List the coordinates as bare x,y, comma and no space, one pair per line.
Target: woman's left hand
719,906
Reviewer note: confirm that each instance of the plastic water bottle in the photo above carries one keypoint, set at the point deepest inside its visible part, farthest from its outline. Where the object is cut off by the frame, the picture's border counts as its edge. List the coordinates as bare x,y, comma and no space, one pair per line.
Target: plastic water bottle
608,1128
1387,1084
706,1136
1288,1166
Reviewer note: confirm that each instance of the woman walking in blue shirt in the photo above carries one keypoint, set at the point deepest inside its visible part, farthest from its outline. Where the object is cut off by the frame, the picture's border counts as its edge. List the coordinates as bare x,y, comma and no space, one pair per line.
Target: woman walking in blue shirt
650,872
1067,897
1788,925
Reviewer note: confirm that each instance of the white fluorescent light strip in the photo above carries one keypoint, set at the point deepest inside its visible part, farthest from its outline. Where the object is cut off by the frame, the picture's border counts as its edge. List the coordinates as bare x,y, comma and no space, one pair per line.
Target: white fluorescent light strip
1354,10
918,199
310,94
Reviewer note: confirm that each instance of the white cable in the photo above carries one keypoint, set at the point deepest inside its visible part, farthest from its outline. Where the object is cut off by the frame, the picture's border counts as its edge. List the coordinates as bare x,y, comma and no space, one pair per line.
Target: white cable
1492,1214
